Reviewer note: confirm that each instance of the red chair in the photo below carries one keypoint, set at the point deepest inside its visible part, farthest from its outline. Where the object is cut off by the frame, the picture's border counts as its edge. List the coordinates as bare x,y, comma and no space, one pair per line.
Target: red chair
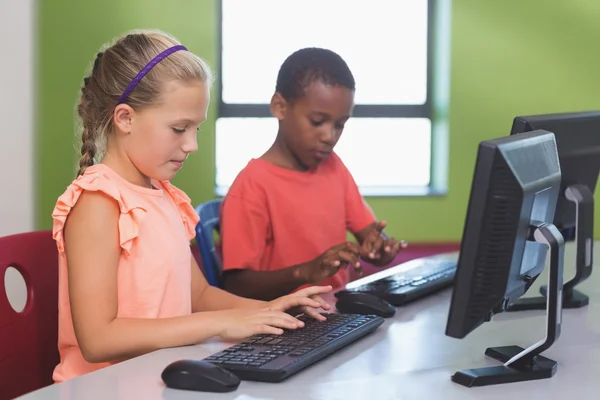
28,339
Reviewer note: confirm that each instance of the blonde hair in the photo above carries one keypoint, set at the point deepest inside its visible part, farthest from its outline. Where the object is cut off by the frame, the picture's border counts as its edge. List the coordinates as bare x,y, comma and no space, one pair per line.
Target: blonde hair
113,70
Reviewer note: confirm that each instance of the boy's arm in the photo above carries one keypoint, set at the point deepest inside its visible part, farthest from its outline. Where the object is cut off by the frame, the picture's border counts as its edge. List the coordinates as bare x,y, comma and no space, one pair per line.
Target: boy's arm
263,285
244,233
361,221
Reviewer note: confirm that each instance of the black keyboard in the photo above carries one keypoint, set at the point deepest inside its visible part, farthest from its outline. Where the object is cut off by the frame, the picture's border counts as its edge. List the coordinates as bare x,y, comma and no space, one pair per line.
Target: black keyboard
273,358
409,281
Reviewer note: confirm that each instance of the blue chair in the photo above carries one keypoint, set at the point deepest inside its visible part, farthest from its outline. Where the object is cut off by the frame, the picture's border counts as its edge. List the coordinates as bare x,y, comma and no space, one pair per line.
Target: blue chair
209,223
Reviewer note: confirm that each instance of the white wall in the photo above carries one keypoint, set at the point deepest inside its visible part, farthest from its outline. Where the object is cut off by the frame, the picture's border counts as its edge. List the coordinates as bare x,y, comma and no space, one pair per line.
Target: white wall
17,35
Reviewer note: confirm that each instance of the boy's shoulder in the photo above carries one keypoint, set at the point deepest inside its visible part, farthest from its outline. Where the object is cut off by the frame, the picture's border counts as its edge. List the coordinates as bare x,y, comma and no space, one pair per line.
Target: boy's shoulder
252,180
254,170
332,166
254,167
333,163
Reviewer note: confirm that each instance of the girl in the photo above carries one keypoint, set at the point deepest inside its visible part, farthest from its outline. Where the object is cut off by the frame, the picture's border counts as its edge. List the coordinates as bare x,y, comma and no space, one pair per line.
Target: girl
128,283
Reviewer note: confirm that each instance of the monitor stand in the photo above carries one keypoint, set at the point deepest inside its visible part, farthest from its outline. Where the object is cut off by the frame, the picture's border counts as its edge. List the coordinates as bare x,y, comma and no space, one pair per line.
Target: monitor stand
584,228
527,364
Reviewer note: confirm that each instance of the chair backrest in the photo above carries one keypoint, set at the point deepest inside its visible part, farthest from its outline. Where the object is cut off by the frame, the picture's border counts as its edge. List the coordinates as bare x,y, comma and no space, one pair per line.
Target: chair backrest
209,223
28,339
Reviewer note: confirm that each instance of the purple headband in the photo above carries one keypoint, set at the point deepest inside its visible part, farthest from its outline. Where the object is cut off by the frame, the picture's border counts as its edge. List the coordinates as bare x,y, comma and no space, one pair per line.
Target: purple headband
146,69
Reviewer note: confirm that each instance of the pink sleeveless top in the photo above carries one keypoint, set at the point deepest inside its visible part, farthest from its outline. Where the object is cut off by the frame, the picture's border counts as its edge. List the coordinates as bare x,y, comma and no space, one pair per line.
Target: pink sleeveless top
154,271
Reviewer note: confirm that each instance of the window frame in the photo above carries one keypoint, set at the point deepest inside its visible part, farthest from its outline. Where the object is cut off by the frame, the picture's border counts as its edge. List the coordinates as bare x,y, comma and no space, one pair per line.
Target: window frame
437,185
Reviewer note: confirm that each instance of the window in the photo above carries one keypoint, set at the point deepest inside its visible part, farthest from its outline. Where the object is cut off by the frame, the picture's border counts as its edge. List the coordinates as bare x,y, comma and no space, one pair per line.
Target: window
388,144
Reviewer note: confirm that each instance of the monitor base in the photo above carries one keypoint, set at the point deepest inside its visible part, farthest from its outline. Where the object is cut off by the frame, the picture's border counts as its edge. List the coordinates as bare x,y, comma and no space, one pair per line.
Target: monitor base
575,299
524,369
528,364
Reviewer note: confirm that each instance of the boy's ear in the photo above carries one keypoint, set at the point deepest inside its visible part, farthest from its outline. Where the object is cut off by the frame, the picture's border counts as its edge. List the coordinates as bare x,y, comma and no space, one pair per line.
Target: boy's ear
278,106
122,117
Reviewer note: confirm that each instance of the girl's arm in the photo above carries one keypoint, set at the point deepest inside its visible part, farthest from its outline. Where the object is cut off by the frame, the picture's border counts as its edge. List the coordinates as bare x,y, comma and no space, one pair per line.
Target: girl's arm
92,249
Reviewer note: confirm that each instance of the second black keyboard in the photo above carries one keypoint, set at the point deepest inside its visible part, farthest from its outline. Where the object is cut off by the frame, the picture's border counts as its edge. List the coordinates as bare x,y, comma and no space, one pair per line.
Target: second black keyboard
427,276
273,358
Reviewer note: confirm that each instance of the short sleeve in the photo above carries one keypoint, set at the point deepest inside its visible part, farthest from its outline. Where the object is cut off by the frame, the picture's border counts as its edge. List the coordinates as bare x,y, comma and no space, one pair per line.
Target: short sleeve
358,213
94,180
188,214
244,230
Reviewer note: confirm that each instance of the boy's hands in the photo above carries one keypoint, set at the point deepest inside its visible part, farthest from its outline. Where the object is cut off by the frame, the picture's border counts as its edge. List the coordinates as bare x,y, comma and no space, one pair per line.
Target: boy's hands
305,301
378,248
328,263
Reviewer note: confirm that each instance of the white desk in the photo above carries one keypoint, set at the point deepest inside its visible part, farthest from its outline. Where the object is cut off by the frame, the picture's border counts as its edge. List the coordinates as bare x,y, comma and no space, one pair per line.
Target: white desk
408,357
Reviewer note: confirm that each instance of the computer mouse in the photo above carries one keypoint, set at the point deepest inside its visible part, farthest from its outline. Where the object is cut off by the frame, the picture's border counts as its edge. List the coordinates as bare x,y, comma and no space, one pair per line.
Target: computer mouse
200,376
364,303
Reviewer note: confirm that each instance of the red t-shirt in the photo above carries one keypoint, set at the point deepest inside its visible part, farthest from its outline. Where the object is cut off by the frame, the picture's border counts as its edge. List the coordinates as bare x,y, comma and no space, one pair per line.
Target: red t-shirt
273,218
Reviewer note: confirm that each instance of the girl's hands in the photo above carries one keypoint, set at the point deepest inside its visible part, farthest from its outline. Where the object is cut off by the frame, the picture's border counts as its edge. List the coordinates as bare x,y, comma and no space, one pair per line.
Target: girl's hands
306,301
242,323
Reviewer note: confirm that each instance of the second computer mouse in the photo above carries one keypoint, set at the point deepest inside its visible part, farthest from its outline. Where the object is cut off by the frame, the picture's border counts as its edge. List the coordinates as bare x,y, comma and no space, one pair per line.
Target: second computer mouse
199,375
364,303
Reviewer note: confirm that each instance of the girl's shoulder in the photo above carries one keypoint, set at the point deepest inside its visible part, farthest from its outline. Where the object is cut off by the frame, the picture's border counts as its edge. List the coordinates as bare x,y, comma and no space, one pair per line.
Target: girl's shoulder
129,198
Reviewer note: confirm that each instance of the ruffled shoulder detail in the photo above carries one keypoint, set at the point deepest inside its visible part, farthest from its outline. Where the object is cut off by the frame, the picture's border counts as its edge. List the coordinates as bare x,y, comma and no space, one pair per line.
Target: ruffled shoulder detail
188,214
97,178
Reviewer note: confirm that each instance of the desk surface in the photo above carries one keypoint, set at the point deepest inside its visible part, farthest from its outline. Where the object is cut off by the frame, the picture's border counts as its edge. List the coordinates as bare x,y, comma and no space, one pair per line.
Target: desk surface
408,357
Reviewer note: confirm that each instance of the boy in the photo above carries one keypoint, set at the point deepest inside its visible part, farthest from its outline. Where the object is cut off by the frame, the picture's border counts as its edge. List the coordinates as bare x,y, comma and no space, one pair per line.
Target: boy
285,218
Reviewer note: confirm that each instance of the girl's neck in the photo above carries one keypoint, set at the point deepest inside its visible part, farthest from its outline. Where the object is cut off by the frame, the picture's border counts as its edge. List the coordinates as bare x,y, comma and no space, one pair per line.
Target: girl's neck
127,170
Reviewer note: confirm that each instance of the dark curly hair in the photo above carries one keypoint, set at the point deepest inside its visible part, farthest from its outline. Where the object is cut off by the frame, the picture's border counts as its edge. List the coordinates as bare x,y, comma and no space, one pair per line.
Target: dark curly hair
308,65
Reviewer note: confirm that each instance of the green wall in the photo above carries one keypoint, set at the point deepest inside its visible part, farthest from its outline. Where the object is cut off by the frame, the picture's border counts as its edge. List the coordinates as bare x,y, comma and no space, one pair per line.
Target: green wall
70,34
508,58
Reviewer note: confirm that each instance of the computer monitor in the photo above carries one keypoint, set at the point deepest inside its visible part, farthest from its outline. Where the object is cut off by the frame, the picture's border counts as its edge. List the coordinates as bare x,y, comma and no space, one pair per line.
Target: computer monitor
507,233
578,141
